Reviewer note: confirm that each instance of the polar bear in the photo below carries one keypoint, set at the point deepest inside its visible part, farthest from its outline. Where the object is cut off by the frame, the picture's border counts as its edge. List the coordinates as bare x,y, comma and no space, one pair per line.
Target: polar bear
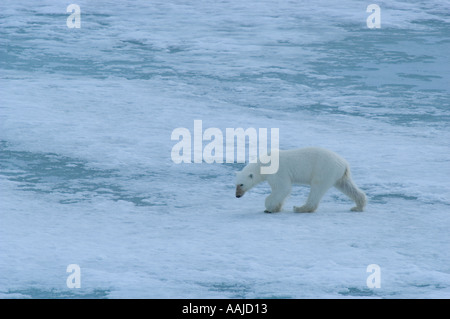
320,168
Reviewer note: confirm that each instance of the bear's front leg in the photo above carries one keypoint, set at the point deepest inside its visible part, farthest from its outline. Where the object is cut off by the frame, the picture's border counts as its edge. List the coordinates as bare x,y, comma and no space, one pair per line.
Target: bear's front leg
272,205
318,189
274,202
305,209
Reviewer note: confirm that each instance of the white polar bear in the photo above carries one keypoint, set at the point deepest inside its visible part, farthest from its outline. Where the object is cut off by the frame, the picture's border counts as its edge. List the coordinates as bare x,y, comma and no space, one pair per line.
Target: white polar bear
317,167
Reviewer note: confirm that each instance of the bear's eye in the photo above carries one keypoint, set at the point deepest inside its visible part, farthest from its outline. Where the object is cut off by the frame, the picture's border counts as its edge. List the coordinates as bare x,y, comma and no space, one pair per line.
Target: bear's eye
241,185
251,175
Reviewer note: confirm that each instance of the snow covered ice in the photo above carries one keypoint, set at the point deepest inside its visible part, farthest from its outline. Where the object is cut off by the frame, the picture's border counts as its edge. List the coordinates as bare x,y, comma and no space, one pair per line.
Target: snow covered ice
86,175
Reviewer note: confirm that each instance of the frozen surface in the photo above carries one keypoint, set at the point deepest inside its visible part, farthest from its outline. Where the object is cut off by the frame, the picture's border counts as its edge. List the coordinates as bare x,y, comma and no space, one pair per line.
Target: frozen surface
86,175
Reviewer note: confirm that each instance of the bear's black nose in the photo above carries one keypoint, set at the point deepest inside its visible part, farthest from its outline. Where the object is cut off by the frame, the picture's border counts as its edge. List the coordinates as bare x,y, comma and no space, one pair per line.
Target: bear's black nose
238,196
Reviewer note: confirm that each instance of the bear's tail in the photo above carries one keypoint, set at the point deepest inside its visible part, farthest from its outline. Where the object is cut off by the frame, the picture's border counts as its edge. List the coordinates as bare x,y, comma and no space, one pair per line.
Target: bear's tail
345,185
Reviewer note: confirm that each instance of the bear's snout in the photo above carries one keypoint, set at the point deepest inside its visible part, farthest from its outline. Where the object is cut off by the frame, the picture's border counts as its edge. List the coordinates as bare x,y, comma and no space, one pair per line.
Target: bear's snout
239,191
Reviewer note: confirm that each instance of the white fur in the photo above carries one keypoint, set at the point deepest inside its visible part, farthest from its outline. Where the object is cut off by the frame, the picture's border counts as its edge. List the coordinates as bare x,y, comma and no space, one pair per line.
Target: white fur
317,167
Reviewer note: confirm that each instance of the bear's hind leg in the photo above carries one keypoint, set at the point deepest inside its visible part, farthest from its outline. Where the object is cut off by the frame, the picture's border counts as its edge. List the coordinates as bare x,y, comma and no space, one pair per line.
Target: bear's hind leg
346,186
315,195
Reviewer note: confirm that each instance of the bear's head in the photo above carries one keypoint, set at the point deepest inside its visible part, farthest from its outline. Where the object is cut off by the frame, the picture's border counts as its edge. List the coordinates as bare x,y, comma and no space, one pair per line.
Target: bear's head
247,178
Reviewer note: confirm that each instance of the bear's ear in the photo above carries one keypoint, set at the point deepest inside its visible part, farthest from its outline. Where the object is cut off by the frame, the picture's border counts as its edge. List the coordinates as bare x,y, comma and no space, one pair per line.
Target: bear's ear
251,175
